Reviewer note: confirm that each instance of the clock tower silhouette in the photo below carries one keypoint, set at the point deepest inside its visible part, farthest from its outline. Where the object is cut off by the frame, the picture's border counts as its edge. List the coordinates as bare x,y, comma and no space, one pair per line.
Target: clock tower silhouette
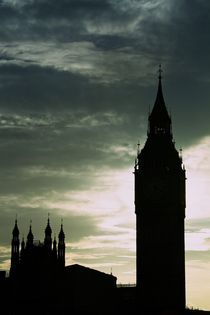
160,213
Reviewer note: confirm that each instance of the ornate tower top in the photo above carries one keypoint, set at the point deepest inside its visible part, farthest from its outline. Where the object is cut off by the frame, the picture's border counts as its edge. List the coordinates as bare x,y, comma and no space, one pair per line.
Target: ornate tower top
15,249
61,247
159,153
48,230
15,231
61,234
48,233
30,236
159,119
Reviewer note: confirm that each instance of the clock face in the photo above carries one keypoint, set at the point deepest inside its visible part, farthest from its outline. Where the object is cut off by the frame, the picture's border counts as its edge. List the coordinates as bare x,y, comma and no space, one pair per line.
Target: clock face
162,190
155,189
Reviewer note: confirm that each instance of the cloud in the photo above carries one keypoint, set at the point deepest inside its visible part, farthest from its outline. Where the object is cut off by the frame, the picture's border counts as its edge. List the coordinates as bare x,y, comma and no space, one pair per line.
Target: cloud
201,256
197,283
197,163
83,58
77,119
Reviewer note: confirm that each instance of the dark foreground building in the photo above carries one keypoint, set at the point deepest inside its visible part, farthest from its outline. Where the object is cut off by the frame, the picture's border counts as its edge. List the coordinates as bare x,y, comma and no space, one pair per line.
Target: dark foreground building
41,257
160,214
40,283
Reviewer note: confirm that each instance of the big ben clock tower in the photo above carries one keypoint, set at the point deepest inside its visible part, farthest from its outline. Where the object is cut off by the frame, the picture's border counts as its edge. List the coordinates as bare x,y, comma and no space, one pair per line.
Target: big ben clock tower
160,214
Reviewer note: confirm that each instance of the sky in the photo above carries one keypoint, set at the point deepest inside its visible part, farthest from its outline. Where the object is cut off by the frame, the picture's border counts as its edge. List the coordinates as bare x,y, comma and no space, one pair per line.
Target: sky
77,81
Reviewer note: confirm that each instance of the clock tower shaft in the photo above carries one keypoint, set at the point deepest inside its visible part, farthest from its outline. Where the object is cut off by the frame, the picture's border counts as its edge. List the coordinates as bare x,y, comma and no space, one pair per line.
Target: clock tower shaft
160,213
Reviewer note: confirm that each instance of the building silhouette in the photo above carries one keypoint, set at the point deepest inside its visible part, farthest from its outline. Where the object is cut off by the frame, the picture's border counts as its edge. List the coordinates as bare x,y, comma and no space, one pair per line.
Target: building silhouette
40,283
34,255
160,213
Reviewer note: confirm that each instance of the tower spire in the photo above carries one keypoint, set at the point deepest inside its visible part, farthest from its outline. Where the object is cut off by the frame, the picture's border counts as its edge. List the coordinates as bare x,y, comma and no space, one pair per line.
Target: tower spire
159,119
30,237
61,247
48,235
15,249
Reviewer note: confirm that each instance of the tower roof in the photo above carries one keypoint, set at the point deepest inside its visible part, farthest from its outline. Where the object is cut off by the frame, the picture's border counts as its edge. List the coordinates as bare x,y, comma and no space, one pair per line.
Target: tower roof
61,234
30,234
15,231
159,119
48,230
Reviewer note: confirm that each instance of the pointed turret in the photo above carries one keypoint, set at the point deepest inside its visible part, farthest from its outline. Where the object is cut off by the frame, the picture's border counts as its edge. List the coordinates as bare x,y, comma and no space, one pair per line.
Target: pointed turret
48,230
30,238
61,234
159,119
15,249
15,231
61,248
48,235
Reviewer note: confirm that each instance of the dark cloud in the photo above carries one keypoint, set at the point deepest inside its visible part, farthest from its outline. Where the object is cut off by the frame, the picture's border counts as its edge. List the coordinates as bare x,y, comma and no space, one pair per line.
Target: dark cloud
66,9
63,20
176,36
38,88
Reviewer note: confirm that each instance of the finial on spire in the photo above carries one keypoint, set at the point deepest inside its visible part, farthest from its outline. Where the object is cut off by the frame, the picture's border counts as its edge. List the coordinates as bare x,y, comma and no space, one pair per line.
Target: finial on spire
15,229
16,219
48,218
61,233
160,71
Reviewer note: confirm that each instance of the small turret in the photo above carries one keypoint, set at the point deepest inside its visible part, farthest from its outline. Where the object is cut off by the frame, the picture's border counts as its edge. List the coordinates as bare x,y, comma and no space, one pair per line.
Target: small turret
15,231
61,248
48,236
15,249
30,238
